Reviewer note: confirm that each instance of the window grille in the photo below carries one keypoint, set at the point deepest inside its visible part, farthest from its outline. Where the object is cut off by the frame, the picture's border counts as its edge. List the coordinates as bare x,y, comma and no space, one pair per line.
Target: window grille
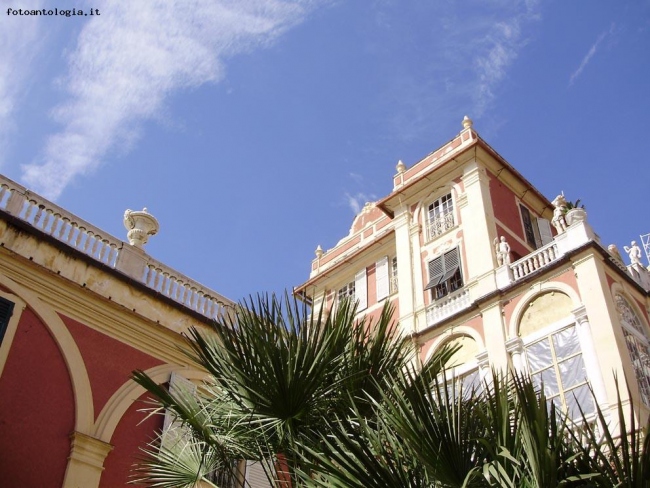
440,217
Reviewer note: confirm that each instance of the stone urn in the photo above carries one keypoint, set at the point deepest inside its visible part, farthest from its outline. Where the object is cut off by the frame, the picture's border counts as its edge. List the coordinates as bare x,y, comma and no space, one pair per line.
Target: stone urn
575,215
141,225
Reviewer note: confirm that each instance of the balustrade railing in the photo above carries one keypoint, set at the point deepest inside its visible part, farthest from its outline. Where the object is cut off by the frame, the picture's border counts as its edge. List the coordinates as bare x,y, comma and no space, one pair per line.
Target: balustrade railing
440,224
104,248
448,306
535,260
57,222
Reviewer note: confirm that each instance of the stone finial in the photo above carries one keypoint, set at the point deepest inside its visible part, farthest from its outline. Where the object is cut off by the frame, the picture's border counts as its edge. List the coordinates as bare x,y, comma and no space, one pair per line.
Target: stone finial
467,122
613,250
401,167
141,225
319,252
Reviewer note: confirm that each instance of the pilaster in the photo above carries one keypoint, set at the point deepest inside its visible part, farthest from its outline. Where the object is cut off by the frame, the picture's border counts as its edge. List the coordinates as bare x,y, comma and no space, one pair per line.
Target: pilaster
405,267
86,461
478,228
495,339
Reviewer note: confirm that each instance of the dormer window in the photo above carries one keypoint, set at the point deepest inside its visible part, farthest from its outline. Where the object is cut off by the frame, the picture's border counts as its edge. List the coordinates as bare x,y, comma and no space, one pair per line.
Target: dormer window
440,216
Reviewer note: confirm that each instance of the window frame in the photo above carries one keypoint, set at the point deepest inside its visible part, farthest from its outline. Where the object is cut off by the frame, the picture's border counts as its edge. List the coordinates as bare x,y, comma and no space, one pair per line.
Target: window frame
449,278
439,222
636,337
548,333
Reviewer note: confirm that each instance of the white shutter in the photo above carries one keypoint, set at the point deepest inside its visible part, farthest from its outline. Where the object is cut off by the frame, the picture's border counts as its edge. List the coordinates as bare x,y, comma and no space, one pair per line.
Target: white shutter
382,279
361,289
255,475
545,233
172,428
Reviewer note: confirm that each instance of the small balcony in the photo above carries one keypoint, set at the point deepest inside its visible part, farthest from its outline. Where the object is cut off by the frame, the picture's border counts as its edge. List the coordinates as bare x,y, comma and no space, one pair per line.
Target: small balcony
439,225
448,306
534,261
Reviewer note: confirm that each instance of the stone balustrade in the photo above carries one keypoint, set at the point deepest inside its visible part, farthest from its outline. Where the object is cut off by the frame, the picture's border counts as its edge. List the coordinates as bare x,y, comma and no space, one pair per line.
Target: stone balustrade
448,306
535,260
60,224
84,237
183,290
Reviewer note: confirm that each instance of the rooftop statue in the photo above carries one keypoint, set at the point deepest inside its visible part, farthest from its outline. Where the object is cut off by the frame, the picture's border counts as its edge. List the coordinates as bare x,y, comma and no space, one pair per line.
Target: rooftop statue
502,250
634,252
558,213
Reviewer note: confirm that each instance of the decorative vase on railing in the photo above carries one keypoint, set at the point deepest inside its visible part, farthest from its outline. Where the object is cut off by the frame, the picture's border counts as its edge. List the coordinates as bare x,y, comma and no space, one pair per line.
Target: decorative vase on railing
141,225
575,215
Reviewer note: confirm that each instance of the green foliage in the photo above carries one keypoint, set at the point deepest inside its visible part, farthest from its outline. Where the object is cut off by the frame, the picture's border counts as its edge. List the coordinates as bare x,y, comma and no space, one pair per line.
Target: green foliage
326,400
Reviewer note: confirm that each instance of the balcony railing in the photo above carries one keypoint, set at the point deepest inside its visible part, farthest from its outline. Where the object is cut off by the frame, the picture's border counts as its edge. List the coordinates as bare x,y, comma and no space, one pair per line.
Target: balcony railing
535,260
448,306
84,237
439,225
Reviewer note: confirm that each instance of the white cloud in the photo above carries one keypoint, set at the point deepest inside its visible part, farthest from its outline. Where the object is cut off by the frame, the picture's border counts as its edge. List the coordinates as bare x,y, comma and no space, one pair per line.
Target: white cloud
19,43
589,55
132,57
357,201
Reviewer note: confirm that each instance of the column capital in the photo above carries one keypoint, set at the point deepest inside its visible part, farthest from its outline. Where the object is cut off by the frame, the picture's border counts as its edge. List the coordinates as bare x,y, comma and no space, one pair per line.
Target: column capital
86,461
580,314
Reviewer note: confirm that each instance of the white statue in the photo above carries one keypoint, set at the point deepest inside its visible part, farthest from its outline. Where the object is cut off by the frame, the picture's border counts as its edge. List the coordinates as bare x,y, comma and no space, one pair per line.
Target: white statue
558,213
502,250
634,252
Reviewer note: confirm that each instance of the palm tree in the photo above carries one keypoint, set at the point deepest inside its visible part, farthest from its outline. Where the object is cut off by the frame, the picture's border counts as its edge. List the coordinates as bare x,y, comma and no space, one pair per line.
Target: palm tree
278,376
329,400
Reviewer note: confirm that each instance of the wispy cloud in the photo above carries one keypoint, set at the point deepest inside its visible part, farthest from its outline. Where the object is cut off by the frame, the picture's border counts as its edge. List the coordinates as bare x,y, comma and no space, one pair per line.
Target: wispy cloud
357,201
19,44
469,53
129,60
590,54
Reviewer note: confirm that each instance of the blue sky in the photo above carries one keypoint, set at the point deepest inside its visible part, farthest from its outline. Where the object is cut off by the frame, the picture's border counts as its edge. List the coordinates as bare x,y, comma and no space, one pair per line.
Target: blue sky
255,129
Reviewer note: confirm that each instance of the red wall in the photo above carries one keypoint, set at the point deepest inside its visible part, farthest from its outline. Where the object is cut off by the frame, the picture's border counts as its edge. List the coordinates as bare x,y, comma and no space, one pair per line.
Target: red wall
131,434
36,410
109,362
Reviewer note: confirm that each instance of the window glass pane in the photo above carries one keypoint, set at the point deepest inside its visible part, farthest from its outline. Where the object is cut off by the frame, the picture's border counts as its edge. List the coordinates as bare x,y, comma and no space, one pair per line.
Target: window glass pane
539,355
580,396
566,342
572,371
549,379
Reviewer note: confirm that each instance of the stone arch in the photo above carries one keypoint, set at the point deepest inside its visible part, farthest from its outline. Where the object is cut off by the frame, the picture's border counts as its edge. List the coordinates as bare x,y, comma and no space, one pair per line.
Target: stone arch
453,333
533,294
617,289
123,398
84,412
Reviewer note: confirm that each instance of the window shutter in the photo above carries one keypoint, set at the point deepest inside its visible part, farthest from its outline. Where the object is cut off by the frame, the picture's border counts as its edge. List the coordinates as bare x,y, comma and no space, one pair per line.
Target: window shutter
255,475
172,428
361,289
436,271
545,233
6,311
451,264
382,279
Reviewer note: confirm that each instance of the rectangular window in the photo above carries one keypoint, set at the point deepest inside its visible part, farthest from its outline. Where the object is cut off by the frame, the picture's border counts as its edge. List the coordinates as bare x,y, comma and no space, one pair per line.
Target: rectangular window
555,362
440,216
445,275
6,310
393,276
347,291
529,230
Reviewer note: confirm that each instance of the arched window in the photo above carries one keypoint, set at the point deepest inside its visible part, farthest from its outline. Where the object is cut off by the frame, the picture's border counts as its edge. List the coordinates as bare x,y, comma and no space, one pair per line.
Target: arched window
554,355
638,345
463,366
